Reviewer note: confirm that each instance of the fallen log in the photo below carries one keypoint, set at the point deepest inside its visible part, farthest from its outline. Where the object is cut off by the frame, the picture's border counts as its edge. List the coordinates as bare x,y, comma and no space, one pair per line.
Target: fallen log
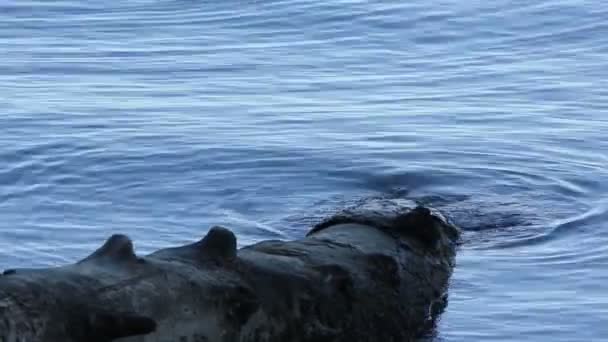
376,272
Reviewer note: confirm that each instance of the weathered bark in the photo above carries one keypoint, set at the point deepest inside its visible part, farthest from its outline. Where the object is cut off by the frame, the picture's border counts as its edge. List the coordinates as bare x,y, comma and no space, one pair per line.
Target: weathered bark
376,272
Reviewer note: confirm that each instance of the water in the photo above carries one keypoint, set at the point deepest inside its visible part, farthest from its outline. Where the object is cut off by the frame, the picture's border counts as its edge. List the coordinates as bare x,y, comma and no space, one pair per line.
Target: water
159,118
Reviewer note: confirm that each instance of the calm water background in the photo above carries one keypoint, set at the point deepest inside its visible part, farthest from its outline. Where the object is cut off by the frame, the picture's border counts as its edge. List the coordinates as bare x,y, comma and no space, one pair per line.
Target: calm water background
159,118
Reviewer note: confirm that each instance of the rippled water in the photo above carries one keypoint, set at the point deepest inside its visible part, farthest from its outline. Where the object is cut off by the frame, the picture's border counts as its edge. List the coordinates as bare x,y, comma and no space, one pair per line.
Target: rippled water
159,118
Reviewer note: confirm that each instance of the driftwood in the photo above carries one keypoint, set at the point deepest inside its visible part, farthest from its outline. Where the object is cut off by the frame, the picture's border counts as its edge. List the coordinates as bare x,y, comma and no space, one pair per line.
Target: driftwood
376,272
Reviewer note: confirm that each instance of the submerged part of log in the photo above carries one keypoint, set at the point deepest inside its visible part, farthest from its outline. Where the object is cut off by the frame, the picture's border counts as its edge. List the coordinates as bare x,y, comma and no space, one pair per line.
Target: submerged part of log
378,271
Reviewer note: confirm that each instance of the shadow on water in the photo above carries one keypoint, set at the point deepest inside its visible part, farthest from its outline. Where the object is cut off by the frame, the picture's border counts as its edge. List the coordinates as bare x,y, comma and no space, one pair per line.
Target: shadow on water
506,208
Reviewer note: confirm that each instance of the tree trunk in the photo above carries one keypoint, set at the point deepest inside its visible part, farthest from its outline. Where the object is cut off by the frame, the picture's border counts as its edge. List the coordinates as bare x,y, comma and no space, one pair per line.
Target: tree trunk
376,272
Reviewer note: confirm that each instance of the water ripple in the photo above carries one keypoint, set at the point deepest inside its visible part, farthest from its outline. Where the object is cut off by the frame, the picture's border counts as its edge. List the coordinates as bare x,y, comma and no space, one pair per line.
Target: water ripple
159,118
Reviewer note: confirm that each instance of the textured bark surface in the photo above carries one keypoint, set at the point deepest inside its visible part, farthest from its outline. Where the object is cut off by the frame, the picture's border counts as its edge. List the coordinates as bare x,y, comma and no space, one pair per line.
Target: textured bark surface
376,272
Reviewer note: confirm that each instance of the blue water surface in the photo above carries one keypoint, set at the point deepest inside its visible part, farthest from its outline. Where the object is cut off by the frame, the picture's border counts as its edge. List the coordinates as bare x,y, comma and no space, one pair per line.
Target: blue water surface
159,118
